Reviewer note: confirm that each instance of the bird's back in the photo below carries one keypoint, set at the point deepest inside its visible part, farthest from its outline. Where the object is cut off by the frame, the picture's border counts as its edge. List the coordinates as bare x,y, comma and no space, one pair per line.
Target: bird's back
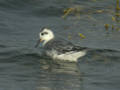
64,50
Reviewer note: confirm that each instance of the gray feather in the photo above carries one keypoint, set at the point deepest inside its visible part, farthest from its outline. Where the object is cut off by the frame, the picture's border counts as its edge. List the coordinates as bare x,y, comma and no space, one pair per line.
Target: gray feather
62,46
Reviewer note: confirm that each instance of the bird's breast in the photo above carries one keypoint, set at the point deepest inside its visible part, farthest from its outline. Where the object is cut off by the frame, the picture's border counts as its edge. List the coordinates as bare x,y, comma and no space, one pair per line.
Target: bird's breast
70,56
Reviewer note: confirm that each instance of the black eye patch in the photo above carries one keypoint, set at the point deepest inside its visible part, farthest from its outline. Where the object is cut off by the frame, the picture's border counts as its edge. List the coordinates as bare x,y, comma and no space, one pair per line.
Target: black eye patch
44,33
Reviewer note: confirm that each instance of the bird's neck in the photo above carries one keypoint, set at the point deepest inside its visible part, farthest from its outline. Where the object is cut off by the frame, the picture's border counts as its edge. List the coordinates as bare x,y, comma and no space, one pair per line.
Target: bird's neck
45,42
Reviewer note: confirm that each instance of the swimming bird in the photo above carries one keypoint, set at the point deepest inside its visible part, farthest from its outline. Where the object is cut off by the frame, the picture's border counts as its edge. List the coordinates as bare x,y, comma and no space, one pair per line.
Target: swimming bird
59,49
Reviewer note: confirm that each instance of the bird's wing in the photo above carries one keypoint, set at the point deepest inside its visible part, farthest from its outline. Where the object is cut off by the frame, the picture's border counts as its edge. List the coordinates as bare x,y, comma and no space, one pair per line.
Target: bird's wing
63,46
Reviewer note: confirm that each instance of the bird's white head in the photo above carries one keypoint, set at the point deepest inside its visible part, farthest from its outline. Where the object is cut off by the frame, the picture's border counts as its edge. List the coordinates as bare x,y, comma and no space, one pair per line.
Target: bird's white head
45,36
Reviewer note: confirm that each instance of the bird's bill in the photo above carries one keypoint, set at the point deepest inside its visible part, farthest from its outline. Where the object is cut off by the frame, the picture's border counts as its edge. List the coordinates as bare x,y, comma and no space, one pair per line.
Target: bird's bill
38,42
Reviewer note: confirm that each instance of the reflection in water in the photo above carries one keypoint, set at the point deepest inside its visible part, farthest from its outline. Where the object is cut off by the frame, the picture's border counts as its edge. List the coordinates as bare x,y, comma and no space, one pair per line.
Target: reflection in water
61,76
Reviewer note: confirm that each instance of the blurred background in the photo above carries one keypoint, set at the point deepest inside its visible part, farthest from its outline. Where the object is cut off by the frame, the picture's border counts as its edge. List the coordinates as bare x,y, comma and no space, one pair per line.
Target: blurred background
88,23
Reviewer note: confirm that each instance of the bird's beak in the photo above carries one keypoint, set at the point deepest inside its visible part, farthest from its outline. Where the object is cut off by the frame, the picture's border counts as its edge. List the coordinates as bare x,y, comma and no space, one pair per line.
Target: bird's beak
38,42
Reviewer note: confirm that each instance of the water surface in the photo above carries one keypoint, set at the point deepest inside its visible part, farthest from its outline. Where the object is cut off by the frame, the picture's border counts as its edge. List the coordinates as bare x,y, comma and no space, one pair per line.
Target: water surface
22,67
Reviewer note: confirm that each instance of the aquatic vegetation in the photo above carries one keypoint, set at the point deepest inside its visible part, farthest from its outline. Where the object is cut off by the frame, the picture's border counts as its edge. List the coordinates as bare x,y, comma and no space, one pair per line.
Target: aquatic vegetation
81,35
117,5
113,27
118,29
109,27
69,36
106,26
99,11
77,10
115,19
67,12
117,11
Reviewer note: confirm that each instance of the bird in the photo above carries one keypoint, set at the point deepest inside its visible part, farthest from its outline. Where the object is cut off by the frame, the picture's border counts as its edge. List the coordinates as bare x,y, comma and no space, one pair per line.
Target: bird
59,48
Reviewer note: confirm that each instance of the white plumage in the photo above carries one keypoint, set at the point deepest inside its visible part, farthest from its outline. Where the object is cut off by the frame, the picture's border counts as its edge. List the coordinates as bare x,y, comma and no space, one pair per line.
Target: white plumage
70,56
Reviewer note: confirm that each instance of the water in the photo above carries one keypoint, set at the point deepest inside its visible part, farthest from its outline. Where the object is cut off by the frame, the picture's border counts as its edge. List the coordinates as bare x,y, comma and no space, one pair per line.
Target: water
23,68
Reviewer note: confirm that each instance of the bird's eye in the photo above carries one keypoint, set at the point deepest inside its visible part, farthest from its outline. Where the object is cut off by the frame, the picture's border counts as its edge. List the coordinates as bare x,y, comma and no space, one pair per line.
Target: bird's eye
42,33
